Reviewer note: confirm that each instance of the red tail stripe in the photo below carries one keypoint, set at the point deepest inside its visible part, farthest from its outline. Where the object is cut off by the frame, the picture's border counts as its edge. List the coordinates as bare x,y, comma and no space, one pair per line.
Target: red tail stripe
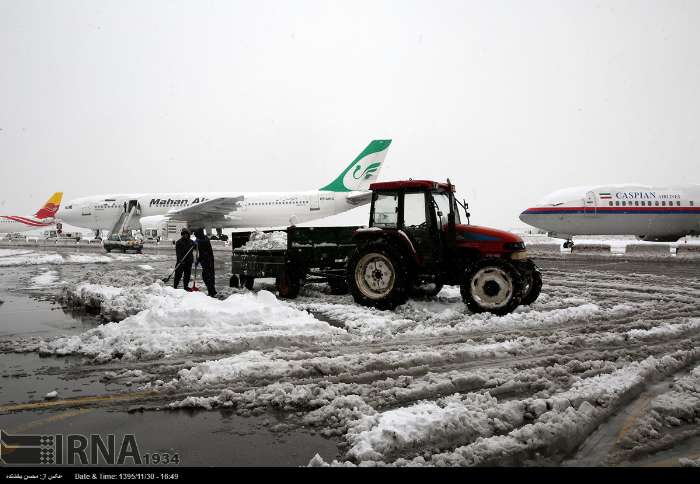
26,221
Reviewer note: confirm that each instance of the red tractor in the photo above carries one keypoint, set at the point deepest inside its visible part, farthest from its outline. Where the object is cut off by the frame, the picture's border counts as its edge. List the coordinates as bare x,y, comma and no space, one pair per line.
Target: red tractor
416,242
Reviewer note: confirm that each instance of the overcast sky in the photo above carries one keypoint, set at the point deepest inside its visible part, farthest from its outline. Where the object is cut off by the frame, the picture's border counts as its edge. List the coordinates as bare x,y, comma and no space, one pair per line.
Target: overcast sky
510,99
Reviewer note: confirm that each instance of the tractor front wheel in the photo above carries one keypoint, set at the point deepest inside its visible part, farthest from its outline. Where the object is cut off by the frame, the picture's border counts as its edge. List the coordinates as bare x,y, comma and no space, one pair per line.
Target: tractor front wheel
492,285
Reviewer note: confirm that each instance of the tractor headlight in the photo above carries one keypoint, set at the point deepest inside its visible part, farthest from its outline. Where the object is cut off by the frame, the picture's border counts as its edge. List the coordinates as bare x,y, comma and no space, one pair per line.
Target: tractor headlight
520,255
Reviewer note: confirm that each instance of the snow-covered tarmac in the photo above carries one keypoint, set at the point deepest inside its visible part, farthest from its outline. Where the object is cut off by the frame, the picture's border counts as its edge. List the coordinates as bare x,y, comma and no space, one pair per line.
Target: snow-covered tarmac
602,370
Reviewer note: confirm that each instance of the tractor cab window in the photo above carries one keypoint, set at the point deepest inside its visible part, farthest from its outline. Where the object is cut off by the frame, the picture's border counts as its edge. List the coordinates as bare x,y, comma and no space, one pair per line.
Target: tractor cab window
414,211
386,209
442,200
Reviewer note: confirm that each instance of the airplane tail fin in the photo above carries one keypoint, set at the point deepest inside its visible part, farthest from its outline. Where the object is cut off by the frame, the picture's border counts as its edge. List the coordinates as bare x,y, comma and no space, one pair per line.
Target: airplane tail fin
363,170
50,207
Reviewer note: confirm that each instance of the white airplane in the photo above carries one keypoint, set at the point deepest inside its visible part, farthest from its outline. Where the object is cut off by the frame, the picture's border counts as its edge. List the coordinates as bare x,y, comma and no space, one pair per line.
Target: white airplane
44,217
661,214
219,210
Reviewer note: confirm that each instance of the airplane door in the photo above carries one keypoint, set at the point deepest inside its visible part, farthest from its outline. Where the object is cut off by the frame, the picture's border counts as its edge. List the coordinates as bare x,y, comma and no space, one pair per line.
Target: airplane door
314,202
590,207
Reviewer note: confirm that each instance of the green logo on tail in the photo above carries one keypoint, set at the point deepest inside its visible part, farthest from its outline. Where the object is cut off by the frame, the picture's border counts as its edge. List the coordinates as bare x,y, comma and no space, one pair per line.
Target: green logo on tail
353,176
367,174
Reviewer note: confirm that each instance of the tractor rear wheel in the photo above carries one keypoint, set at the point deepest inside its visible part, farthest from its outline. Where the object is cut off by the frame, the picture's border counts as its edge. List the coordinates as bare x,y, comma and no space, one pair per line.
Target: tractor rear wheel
378,276
492,285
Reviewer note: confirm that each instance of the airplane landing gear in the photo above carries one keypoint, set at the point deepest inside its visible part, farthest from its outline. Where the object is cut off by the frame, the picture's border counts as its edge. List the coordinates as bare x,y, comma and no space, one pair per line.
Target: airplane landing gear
569,244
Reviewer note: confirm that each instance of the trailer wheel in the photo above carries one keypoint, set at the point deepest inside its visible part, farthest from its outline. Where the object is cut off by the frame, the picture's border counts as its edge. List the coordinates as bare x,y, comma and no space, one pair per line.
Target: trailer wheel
492,285
288,286
338,286
378,276
233,282
532,284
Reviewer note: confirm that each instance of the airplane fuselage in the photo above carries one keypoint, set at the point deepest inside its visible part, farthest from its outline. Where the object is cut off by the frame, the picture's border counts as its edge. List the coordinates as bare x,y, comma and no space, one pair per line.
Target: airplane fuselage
651,213
257,209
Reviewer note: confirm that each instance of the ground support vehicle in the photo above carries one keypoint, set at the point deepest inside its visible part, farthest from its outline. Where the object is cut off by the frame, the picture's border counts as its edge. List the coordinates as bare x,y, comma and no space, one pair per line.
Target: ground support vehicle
122,243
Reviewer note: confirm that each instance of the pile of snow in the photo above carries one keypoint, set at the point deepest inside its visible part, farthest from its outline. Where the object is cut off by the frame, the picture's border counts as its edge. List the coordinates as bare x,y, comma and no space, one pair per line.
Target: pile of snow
178,323
31,258
266,241
451,421
671,416
114,294
13,258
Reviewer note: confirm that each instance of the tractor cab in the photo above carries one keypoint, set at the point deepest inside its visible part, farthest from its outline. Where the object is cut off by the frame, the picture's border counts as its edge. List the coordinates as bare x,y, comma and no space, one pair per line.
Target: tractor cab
422,211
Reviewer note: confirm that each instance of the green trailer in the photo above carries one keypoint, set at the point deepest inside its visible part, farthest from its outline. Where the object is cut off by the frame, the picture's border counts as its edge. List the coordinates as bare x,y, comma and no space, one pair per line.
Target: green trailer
313,254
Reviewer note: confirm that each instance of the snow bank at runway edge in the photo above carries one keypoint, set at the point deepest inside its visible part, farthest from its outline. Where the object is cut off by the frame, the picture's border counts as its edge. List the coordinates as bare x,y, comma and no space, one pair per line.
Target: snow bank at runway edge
178,323
14,258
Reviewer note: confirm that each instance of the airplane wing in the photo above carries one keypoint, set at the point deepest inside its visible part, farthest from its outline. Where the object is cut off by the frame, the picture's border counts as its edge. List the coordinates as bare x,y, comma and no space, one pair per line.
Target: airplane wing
211,213
359,198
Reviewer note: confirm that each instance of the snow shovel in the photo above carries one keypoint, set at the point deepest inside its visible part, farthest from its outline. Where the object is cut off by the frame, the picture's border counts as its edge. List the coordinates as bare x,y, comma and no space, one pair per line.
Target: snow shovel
194,287
177,266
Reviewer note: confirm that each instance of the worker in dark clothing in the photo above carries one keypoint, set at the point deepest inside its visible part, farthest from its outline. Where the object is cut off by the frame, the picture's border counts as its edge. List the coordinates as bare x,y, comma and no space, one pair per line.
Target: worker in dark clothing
205,258
184,251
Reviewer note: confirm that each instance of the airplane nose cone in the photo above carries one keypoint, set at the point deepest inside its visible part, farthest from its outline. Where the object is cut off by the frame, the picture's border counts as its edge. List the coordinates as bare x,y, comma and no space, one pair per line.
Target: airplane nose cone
525,216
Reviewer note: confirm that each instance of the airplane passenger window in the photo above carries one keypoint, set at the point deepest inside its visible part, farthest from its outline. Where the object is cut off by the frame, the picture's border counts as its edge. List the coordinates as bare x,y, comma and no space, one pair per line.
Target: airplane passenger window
610,203
656,203
636,203
624,204
617,203
691,203
663,203
678,203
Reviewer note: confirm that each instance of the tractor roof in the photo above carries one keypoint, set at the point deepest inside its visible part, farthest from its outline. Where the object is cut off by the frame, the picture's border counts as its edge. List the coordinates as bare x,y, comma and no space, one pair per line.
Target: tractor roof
403,184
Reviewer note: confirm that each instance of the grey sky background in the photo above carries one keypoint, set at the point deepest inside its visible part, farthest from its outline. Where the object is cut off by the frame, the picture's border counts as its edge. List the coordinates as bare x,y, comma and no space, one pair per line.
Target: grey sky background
510,99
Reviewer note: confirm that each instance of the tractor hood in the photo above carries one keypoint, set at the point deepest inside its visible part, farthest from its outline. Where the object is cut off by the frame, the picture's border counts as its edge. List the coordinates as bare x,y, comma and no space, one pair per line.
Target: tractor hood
474,233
